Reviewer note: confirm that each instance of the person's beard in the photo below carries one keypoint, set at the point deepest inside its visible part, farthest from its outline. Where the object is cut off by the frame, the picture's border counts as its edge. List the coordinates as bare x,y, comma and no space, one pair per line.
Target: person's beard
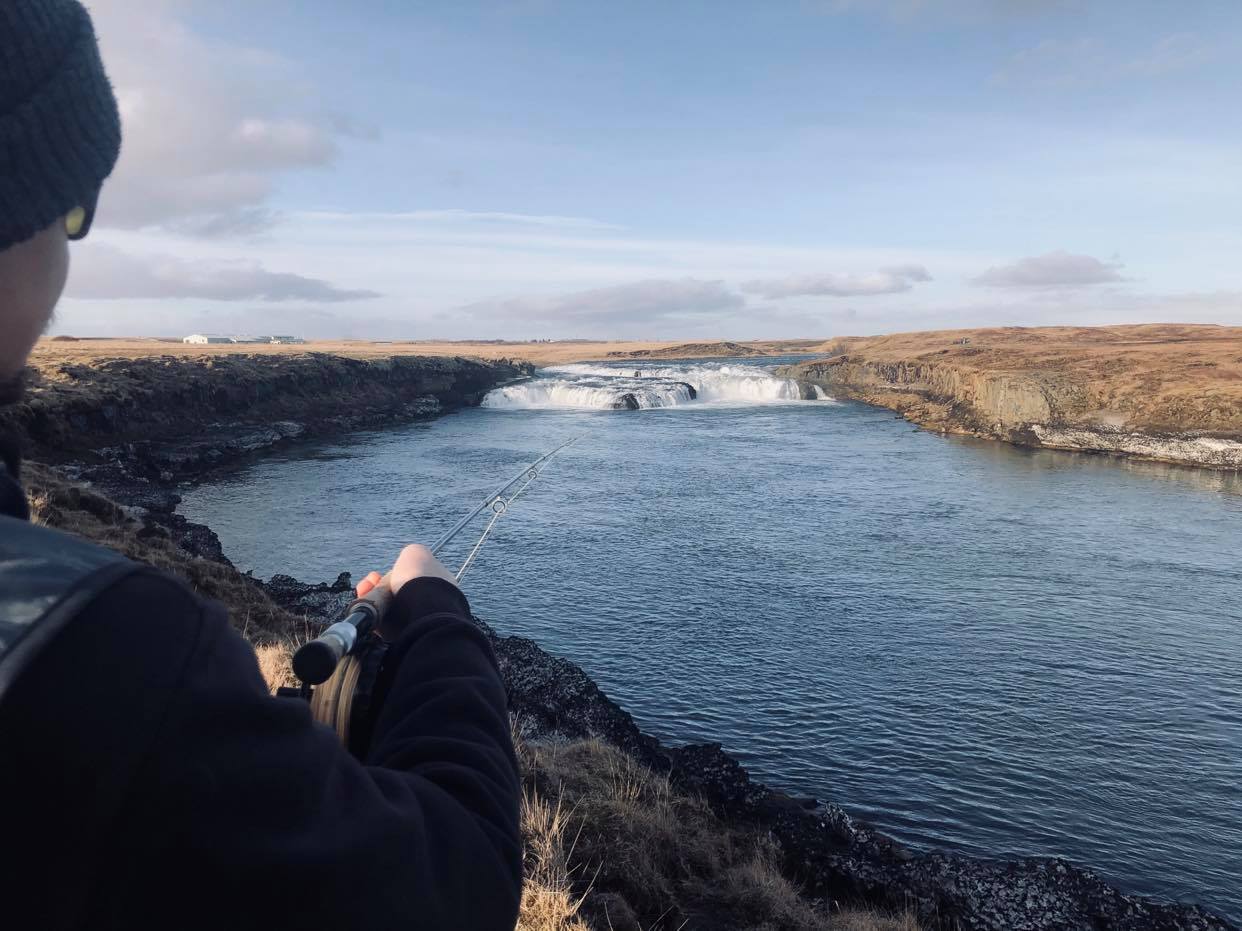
11,391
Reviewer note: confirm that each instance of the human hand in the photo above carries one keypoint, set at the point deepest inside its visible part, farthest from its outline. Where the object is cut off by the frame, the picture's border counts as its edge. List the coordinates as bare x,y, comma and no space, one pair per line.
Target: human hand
415,562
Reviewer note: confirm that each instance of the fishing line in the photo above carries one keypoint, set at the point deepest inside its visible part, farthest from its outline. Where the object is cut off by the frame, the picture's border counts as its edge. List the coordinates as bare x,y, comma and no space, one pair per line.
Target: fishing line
500,507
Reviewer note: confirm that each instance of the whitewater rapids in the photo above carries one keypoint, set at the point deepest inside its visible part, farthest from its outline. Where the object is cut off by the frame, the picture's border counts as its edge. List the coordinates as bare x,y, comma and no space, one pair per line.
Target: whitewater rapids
631,385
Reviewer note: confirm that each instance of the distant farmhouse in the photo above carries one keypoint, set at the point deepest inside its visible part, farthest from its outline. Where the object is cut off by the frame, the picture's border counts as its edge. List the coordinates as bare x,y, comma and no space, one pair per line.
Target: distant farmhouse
201,339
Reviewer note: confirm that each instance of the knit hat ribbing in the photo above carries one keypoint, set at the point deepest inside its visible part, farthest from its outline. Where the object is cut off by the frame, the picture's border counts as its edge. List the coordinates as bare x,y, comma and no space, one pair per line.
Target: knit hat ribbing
60,131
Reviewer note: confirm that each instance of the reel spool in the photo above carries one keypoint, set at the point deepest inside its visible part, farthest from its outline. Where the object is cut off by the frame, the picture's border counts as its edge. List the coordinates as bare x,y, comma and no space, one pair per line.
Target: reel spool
332,703
344,700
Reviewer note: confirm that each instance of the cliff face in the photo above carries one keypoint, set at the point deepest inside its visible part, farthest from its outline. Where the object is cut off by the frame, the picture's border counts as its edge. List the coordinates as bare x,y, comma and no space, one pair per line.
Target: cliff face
1156,392
170,416
136,427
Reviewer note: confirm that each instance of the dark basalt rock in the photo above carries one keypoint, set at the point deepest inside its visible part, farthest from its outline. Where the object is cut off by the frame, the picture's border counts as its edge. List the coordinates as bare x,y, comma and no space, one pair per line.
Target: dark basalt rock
553,699
175,417
326,602
196,539
690,389
627,402
706,770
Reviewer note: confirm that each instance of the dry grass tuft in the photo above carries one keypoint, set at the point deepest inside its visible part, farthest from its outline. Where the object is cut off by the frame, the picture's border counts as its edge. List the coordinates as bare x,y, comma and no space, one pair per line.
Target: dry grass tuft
276,665
633,854
549,902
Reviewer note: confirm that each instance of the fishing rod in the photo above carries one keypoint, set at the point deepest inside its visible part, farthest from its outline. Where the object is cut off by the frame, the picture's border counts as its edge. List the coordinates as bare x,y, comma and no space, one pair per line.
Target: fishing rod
321,660
530,473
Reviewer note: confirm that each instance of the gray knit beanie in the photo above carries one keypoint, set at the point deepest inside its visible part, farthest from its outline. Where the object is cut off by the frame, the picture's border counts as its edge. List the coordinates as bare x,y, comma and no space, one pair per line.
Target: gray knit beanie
60,132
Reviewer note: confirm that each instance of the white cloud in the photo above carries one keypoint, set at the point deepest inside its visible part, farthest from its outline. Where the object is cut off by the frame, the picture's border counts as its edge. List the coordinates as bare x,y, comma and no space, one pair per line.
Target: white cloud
639,302
208,126
891,280
970,10
1053,270
1085,61
102,272
496,218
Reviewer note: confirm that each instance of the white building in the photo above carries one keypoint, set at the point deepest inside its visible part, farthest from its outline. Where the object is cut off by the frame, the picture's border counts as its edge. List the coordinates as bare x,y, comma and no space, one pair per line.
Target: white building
202,340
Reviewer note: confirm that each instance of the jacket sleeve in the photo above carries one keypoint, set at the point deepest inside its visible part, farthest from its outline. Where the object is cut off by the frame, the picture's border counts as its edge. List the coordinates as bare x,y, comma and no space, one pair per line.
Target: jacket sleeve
244,807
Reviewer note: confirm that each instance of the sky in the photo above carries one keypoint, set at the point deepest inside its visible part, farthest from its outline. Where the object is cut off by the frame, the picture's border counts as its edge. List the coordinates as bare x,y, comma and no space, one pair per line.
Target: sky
393,169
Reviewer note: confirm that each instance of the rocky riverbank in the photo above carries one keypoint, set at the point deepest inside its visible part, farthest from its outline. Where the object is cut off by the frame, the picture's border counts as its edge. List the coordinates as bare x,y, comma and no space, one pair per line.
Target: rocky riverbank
171,417
1169,393
135,430
827,853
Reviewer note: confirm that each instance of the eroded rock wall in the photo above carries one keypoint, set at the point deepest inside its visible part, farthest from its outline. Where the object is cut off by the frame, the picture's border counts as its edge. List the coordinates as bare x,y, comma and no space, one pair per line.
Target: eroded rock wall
179,415
1033,409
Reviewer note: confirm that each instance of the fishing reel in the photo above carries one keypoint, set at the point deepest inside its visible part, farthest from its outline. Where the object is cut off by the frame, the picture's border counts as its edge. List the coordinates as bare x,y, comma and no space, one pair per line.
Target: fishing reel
340,668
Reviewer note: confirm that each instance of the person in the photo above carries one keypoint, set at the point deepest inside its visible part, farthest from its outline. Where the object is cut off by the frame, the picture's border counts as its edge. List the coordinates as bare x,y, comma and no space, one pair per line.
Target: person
148,778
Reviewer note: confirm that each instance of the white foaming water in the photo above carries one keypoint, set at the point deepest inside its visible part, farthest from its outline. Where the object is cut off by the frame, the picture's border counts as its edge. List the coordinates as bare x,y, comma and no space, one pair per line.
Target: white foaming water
632,386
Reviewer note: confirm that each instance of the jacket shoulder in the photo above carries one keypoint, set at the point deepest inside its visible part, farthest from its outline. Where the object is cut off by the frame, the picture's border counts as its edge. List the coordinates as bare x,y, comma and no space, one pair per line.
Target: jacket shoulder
46,577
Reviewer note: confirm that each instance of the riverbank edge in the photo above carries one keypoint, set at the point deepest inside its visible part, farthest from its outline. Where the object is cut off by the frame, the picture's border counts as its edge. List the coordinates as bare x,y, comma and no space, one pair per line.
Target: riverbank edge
830,855
1023,410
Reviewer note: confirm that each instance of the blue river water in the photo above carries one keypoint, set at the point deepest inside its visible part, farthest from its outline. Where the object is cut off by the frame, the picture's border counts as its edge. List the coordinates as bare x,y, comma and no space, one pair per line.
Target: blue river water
975,647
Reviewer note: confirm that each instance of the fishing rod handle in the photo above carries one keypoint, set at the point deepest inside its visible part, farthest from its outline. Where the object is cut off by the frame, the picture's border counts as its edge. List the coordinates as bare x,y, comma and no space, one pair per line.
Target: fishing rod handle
314,662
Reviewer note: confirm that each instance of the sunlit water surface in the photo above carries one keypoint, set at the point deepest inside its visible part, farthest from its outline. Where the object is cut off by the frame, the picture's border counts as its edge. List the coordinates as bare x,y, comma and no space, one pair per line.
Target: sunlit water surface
976,647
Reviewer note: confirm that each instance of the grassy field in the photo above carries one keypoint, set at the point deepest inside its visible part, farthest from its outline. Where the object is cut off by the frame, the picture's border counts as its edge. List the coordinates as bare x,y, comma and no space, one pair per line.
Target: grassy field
56,351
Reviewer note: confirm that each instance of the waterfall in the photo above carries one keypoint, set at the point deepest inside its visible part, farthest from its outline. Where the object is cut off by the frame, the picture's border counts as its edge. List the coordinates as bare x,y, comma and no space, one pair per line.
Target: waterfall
632,385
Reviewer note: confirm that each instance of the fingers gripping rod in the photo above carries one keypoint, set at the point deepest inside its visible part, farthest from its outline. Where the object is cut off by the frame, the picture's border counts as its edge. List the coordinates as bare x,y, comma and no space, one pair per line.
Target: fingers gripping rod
314,662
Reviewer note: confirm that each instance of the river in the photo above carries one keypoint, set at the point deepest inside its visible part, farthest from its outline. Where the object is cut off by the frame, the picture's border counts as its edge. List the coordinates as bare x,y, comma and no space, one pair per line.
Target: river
976,647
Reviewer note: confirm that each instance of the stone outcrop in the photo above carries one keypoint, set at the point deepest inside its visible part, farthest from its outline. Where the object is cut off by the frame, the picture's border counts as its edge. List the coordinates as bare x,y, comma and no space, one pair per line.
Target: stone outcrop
1176,399
327,602
134,429
170,416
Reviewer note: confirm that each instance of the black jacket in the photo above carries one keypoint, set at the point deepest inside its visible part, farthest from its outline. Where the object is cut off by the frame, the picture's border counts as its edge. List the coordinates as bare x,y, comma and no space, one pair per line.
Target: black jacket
147,779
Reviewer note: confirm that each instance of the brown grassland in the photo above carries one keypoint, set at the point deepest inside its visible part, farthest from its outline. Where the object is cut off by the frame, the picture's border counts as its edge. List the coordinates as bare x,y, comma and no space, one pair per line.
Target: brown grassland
57,351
